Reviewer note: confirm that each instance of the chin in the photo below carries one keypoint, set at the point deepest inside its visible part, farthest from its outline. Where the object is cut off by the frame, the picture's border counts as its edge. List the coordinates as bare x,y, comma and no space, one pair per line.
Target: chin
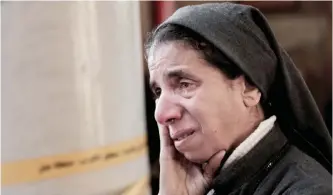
195,157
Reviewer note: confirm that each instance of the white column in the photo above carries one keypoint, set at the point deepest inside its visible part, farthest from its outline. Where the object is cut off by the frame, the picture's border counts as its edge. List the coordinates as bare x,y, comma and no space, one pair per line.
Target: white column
73,119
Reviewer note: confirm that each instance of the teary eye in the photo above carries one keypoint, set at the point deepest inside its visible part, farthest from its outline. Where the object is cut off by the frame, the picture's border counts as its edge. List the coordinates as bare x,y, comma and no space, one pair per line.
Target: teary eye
156,92
184,85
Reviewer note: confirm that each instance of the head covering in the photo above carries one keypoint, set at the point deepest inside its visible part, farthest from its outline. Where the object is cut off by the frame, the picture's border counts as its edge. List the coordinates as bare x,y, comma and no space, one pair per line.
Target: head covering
242,33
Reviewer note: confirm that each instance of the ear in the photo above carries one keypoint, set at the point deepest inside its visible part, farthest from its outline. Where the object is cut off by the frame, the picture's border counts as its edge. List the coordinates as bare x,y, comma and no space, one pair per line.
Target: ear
251,94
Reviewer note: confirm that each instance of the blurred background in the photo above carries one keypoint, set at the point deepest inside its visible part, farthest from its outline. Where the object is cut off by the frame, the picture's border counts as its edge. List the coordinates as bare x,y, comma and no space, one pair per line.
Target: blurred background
77,113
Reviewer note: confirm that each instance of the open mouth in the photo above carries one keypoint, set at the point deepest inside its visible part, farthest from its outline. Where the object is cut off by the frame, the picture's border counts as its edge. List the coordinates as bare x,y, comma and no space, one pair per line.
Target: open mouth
184,136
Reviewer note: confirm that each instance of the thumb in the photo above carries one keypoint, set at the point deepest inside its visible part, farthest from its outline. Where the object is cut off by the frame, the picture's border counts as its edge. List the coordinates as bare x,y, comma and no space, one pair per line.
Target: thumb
213,164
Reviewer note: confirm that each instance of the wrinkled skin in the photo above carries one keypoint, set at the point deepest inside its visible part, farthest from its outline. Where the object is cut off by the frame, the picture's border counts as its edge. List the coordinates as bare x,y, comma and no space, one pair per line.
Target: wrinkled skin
201,114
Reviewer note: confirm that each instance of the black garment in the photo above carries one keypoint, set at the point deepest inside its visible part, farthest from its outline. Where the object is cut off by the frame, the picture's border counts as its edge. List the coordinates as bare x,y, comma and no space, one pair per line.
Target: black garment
242,33
274,166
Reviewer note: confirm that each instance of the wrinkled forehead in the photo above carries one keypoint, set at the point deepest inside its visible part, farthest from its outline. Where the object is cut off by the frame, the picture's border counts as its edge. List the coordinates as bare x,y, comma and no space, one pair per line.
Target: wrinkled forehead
170,60
170,54
163,60
164,53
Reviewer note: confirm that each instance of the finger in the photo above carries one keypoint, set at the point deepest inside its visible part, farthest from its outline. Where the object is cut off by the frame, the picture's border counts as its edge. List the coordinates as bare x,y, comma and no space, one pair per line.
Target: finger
213,164
165,139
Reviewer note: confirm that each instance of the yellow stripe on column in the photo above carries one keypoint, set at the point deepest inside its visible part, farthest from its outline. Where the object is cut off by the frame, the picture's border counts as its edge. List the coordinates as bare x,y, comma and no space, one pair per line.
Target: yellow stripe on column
71,163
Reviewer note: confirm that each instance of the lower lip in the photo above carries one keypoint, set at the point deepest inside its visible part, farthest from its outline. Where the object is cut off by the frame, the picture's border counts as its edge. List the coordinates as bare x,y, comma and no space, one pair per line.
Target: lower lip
181,144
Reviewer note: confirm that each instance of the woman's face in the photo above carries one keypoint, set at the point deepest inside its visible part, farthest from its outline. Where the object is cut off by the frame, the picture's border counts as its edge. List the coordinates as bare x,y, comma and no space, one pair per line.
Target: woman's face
204,110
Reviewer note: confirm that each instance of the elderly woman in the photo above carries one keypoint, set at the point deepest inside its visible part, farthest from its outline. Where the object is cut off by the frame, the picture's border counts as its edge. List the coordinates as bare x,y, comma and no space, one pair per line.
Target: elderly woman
234,114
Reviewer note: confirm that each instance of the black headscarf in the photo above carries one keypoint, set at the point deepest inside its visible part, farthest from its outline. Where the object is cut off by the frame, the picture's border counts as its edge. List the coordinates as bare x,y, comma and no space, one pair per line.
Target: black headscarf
242,33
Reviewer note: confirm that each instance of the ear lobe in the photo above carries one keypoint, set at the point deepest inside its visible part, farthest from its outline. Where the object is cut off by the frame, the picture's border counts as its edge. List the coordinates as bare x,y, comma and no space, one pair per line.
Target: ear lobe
251,96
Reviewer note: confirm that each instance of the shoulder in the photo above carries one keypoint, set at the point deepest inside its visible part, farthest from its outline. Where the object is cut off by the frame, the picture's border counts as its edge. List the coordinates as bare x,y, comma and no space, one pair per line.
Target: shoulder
297,173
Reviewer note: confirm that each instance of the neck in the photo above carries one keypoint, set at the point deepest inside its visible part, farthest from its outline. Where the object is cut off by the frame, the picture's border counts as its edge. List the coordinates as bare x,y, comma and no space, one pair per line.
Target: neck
260,132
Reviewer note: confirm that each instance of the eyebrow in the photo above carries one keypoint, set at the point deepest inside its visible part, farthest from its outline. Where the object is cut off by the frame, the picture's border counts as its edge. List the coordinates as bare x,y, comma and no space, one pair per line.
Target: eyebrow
176,73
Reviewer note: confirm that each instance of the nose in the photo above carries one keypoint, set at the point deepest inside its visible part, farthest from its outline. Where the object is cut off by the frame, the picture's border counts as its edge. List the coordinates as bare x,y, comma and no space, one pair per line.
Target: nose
167,109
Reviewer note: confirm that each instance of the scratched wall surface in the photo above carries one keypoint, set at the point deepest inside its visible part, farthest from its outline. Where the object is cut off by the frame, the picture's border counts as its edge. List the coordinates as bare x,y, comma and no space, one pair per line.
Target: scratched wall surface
72,98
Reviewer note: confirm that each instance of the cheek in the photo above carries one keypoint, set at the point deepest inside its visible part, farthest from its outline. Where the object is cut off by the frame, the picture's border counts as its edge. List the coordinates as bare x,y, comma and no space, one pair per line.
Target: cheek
217,116
206,112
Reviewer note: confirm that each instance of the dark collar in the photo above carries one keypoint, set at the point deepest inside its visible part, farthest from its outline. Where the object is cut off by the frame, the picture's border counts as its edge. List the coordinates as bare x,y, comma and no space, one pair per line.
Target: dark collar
258,161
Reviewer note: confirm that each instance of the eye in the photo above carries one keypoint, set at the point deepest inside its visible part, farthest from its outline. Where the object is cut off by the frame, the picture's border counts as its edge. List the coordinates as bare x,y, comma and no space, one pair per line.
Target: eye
157,93
184,85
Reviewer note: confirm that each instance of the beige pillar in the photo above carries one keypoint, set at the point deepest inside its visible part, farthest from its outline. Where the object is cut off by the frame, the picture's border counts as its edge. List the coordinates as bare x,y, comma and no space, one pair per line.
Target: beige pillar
73,119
